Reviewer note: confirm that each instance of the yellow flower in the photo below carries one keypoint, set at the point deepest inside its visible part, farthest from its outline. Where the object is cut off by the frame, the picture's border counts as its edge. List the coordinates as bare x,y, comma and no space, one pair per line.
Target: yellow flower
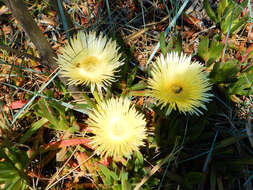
89,60
117,127
180,83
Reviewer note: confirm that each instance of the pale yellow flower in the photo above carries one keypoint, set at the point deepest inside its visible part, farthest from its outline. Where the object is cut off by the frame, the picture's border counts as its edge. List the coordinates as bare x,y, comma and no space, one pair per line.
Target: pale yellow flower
89,60
117,127
180,83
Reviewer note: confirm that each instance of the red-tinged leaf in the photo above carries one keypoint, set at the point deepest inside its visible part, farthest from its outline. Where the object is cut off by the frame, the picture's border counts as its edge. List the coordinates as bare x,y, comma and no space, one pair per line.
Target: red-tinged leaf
30,153
64,143
191,20
249,50
224,39
15,105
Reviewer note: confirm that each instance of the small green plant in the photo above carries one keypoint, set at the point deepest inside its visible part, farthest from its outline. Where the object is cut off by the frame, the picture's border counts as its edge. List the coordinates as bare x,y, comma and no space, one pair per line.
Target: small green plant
13,164
133,121
228,15
210,51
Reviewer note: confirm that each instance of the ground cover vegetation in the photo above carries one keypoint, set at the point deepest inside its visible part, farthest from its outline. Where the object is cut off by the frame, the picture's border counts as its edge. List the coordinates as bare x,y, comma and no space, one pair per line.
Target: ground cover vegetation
99,94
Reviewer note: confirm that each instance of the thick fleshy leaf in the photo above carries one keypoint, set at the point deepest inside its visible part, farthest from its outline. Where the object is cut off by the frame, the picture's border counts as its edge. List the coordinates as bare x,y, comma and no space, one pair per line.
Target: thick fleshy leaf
243,86
225,73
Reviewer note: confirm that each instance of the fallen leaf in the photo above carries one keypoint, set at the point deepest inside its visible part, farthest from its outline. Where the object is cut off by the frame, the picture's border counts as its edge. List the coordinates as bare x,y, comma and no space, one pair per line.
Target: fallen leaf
15,105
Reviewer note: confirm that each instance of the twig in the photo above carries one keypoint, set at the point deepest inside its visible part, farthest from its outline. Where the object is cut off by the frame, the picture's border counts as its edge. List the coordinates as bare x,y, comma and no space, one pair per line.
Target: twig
47,55
25,19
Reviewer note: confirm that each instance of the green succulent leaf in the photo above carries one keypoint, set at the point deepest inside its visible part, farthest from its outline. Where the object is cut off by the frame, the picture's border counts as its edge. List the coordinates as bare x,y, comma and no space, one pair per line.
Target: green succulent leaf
12,172
131,77
225,73
139,86
179,47
7,171
239,24
232,13
221,8
203,48
35,126
210,11
107,174
215,50
54,112
163,47
175,44
243,86
212,53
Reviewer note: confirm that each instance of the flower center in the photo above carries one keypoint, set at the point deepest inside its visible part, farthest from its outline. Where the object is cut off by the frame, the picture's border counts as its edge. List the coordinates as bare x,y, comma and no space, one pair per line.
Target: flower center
88,63
177,89
117,129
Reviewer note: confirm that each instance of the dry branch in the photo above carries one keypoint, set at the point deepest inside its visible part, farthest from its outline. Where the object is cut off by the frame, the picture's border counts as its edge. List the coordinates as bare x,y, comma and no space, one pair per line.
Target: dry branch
25,19
47,55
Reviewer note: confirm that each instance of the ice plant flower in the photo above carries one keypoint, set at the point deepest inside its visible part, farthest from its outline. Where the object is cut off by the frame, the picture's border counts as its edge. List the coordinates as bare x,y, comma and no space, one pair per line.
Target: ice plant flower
117,127
89,59
179,83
